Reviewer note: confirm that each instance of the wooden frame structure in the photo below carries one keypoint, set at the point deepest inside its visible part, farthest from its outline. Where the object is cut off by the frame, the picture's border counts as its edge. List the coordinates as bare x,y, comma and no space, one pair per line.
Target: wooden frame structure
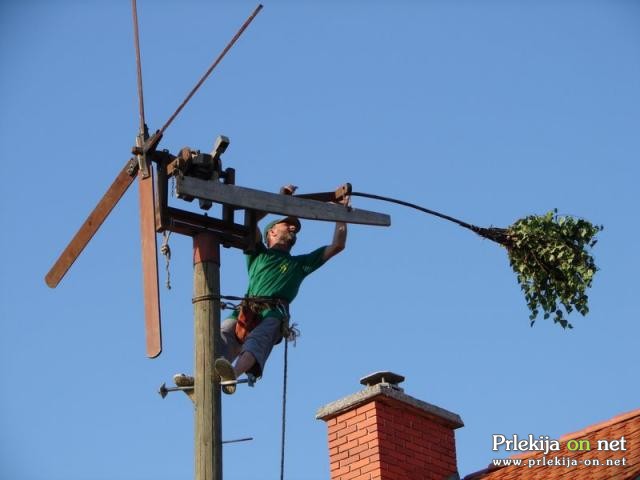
198,176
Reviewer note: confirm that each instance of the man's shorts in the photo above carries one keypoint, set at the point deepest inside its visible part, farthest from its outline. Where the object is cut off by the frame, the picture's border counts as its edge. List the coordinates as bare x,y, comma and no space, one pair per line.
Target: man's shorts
259,342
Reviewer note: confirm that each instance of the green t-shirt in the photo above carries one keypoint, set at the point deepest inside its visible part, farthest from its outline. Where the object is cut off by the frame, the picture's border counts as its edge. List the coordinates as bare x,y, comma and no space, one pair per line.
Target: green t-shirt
278,274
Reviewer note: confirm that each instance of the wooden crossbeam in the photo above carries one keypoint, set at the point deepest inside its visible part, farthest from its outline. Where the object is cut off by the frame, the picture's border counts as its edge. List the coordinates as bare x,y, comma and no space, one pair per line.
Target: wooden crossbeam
248,198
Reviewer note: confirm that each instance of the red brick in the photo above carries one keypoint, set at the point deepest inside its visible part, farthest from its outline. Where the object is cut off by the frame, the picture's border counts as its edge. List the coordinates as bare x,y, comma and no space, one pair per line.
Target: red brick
347,446
372,413
370,437
349,459
362,449
339,471
367,422
337,442
393,469
366,408
338,457
360,463
351,475
356,419
331,421
347,431
374,449
373,465
357,434
347,415
336,427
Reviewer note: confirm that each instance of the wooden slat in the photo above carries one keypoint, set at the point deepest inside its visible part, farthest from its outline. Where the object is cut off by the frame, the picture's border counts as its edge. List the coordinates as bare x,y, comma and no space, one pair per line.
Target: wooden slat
92,224
248,198
150,264
205,223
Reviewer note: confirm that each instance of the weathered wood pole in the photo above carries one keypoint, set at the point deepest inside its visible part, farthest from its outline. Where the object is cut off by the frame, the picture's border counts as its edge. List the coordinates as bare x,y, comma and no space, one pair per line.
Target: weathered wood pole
206,306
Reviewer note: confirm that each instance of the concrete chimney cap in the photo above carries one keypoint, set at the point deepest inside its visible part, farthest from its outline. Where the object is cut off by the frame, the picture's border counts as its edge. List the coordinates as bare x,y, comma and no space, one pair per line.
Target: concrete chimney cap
381,377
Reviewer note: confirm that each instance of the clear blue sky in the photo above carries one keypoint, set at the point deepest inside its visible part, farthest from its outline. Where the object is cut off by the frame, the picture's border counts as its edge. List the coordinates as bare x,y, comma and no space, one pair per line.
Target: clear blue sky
488,111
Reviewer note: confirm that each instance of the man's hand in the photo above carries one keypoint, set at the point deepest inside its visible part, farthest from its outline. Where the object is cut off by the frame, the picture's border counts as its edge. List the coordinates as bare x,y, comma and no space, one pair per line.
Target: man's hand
288,189
346,201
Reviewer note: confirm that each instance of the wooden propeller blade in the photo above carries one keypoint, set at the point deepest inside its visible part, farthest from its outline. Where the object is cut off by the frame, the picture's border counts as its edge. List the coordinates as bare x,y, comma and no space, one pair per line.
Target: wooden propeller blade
150,264
91,224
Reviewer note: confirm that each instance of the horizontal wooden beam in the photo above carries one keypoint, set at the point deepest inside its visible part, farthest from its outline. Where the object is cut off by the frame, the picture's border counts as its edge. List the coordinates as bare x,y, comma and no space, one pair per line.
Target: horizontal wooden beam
191,224
208,223
248,198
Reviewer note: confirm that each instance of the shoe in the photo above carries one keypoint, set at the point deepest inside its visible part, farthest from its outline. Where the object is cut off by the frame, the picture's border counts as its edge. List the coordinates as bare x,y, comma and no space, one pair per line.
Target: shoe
183,380
225,370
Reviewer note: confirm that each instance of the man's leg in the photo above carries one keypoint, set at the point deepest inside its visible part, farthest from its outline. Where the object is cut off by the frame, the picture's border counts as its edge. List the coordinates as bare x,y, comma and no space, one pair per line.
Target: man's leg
254,354
230,350
244,363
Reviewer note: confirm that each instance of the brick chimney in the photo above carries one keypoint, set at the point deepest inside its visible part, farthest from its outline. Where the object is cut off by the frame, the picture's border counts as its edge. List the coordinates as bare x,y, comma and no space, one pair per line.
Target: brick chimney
381,433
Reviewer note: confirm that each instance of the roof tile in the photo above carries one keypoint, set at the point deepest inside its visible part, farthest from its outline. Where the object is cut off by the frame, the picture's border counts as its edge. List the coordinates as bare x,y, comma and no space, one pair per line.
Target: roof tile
575,465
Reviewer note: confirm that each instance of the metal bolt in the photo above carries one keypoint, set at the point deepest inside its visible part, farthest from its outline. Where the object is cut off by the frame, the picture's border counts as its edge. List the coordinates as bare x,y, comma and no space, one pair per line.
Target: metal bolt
164,390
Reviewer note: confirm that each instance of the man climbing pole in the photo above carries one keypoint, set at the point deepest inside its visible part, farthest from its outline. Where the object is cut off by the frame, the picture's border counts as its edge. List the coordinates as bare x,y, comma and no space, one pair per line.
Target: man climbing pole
262,319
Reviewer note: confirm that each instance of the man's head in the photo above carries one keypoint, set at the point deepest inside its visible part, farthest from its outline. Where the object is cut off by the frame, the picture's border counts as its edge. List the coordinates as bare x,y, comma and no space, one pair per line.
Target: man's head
282,233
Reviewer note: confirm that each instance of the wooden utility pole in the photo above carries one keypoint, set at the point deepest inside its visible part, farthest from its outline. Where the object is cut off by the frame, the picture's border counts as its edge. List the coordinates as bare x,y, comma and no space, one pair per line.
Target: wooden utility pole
206,309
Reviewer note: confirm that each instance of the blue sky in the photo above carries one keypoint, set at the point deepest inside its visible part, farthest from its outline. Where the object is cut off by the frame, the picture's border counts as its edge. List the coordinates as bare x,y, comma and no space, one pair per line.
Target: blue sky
487,111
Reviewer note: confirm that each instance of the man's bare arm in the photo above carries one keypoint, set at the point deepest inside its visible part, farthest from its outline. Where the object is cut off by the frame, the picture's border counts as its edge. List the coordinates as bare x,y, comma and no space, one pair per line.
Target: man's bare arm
339,241
339,235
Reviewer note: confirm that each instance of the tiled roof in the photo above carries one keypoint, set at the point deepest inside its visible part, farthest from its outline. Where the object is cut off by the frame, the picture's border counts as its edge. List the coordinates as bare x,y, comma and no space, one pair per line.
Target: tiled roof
574,465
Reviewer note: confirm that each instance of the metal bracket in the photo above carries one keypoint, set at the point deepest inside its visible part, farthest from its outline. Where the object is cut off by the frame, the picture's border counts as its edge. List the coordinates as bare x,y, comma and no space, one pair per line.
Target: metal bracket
337,196
141,154
247,439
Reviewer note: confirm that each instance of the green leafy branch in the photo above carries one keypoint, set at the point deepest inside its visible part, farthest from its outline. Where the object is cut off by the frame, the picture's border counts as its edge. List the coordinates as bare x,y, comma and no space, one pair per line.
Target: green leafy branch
550,255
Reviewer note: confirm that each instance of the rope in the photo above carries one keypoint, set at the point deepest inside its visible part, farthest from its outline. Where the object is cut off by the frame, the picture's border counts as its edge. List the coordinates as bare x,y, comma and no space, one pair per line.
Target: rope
290,334
166,251
284,407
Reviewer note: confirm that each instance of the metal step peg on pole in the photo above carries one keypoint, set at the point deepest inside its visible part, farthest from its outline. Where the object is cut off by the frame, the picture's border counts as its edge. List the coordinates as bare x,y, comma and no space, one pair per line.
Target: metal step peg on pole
250,381
164,390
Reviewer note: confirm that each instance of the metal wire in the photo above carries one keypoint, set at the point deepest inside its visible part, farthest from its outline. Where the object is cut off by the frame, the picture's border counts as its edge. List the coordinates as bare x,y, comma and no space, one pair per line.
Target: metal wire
417,207
211,68
495,234
136,41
